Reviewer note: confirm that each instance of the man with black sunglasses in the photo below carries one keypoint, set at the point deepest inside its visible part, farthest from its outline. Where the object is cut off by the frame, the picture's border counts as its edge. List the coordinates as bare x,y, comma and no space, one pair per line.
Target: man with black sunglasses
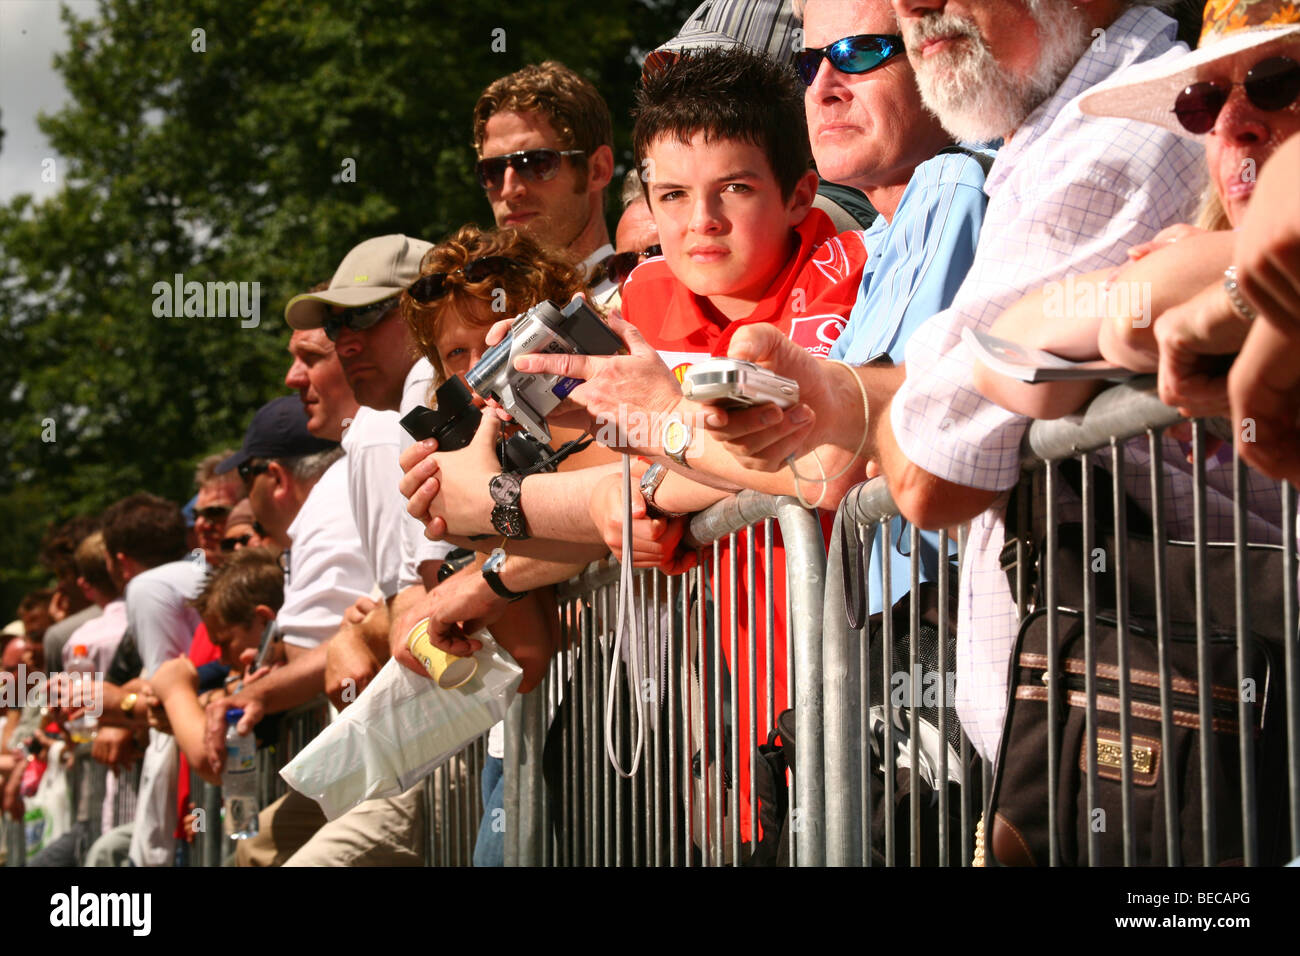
544,140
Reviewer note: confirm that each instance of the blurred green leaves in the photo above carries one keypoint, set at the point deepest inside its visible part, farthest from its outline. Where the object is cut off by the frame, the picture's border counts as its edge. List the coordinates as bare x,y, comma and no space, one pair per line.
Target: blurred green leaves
224,165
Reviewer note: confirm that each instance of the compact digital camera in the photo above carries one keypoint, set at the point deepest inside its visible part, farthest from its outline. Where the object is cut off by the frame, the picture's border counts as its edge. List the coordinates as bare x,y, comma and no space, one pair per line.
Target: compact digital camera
574,330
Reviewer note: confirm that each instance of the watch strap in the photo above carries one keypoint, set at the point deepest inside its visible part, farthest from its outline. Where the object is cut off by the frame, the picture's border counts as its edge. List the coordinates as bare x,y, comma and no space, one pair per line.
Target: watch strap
493,578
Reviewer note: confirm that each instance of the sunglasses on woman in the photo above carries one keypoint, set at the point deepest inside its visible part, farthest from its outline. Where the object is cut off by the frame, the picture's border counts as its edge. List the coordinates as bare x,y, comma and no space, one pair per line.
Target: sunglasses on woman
238,541
535,165
1271,85
434,286
620,265
856,55
359,318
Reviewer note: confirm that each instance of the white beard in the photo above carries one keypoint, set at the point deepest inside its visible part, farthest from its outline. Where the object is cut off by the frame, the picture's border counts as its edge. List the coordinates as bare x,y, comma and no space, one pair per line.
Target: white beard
969,91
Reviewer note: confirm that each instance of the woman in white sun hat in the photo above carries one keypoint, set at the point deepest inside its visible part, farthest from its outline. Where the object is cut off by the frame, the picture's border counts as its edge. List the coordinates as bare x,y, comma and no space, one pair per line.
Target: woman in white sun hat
1239,93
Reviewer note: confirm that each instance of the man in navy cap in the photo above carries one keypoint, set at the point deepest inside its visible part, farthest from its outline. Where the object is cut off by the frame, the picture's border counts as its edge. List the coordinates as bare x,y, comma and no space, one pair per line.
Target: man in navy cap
297,485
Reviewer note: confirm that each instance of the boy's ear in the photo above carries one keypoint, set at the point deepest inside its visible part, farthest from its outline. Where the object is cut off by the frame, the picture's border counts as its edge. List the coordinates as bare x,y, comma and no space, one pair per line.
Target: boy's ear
802,196
600,168
263,614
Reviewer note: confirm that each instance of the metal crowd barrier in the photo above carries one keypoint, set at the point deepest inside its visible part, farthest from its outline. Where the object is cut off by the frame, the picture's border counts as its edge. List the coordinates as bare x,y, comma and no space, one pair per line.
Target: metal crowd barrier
565,803
1242,688
453,803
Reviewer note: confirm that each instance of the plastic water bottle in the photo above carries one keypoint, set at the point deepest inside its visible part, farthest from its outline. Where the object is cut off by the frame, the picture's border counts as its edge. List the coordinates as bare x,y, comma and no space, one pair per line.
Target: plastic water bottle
239,780
81,684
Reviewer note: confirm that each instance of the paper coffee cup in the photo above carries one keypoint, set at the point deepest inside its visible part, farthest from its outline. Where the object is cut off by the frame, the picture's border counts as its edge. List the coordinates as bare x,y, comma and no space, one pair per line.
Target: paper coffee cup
448,670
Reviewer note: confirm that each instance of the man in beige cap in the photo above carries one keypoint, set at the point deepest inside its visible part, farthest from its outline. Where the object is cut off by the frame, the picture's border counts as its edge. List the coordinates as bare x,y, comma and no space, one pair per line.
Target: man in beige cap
353,323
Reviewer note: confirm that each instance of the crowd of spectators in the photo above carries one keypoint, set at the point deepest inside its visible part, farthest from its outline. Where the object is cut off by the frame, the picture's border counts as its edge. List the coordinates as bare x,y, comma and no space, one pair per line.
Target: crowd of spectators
837,190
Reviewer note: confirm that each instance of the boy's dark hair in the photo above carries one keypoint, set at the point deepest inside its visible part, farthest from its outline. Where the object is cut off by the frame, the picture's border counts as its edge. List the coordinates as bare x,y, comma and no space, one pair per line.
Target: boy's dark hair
144,527
234,589
727,94
32,600
60,543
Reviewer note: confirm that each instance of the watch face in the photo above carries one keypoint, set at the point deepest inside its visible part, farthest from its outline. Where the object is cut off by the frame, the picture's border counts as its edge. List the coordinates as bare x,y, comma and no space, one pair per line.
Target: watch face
508,521
676,436
504,488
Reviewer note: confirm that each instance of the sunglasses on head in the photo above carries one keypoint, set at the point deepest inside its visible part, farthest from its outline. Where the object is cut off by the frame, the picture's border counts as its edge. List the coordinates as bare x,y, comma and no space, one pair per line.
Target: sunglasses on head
358,318
1271,85
249,470
535,165
434,286
213,512
620,265
856,54
239,541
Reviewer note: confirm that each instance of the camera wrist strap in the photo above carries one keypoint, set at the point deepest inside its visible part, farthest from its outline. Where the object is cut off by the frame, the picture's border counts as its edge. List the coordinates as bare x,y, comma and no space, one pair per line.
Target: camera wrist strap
626,622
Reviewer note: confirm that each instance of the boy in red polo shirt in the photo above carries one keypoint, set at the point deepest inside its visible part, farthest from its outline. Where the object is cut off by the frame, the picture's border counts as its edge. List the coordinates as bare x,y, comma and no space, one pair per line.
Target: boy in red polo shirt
722,139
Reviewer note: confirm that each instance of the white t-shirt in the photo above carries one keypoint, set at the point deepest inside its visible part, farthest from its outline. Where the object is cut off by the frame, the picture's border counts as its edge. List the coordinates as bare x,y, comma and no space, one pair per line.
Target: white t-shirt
328,570
158,612
372,443
163,622
603,291
416,548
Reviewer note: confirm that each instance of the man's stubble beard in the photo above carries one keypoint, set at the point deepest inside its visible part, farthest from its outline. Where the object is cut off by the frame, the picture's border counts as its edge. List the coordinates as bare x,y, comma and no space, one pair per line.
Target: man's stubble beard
974,98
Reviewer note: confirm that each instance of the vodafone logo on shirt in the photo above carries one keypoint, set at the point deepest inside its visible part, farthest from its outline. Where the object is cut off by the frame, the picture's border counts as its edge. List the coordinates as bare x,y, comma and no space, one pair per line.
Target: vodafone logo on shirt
816,333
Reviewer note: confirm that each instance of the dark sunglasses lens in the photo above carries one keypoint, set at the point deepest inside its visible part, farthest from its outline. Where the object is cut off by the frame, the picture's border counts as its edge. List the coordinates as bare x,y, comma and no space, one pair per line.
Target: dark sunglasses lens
620,266
1273,84
540,164
1197,107
652,251
491,172
427,288
484,268
807,62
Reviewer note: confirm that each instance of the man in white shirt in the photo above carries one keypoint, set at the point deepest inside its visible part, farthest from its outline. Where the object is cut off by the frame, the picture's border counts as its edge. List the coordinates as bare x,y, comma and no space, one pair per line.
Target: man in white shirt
297,485
144,537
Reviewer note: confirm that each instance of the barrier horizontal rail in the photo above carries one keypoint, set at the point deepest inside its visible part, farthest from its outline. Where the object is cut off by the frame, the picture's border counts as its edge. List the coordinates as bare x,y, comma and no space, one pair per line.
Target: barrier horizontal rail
684,805
1160,597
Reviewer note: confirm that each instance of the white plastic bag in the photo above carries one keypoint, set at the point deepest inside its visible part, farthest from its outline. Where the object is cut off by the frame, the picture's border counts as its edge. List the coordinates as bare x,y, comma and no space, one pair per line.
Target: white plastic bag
401,729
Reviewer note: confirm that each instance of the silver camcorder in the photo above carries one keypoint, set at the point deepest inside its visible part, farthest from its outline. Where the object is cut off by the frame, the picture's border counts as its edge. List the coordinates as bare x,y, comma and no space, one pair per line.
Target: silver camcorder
529,397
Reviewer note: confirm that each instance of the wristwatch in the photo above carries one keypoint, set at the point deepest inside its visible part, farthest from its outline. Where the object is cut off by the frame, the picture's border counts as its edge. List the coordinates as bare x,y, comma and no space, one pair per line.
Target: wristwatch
676,439
507,516
128,703
654,477
492,568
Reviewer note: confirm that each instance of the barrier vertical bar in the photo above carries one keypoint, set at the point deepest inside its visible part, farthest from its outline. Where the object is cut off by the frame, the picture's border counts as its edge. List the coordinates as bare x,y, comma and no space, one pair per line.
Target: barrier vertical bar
1245,708
1053,665
733,697
804,550
945,702
841,693
886,691
513,789
716,747
1122,649
1155,444
914,683
1204,667
1090,657
1292,667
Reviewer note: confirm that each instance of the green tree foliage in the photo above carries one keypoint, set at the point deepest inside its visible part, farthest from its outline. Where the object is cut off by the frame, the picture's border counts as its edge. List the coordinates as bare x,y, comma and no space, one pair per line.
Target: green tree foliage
220,155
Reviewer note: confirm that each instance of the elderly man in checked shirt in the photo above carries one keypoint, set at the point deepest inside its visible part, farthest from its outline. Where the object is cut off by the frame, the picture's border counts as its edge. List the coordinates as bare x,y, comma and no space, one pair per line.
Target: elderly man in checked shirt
1067,194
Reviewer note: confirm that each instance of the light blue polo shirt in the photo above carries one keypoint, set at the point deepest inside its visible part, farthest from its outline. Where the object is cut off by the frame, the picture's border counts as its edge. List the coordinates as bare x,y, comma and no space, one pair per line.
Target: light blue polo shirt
915,265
